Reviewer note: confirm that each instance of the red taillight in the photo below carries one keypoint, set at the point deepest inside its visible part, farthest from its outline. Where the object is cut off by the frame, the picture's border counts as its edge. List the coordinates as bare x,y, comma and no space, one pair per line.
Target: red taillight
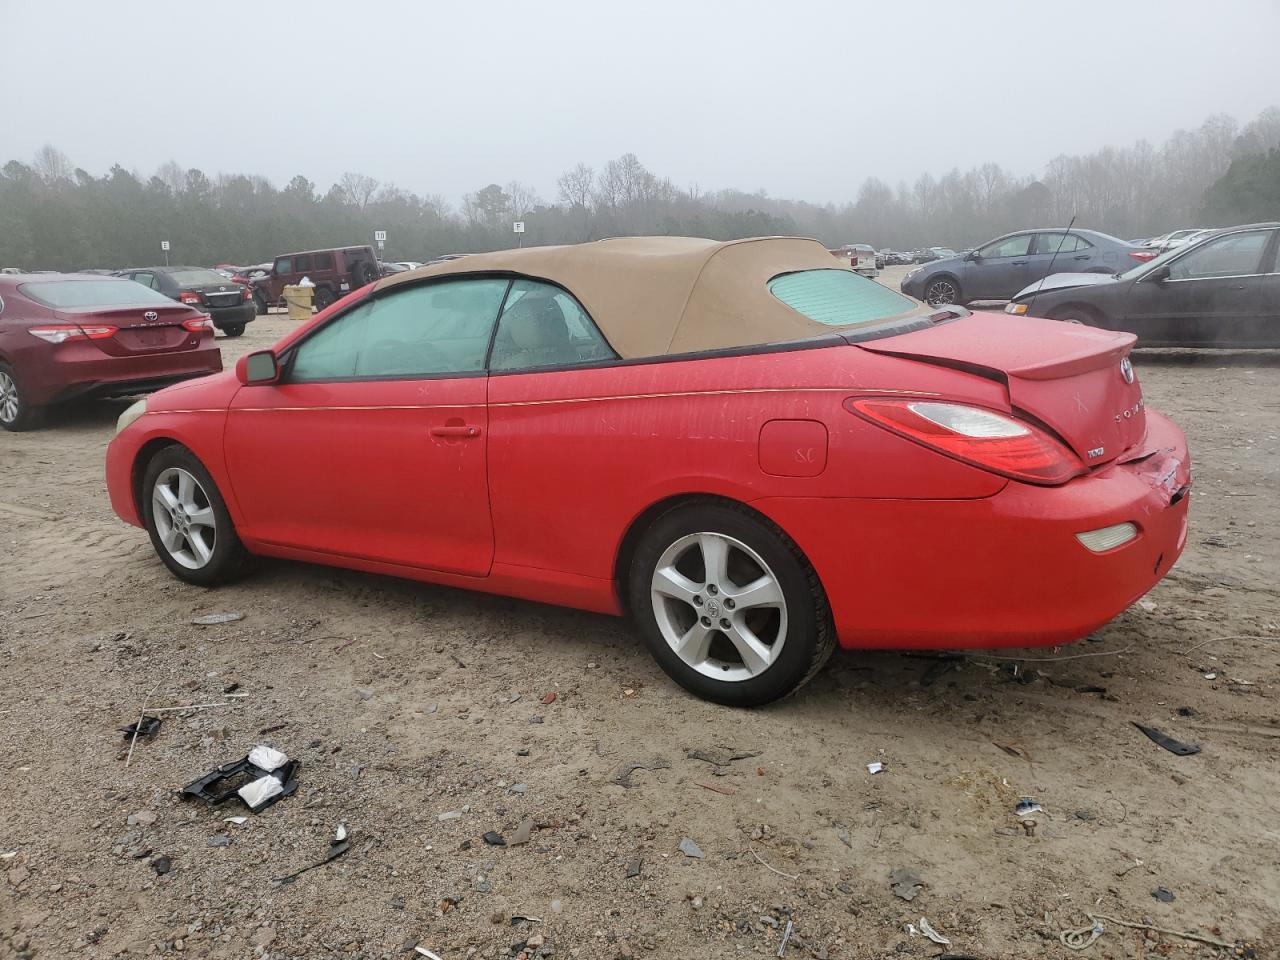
197,324
189,297
982,438
246,293
1144,255
62,332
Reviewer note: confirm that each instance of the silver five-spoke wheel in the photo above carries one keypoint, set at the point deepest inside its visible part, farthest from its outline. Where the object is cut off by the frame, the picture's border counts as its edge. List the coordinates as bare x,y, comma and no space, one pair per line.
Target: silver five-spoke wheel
719,606
184,518
9,402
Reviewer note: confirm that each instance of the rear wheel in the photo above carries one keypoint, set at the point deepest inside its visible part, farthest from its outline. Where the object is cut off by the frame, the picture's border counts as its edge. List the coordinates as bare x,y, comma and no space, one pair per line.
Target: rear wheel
728,605
188,521
941,290
16,412
324,297
233,329
260,302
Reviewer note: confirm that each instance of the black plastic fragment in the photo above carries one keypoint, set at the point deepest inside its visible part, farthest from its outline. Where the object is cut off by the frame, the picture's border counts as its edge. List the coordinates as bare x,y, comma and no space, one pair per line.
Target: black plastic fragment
1166,741
220,785
144,728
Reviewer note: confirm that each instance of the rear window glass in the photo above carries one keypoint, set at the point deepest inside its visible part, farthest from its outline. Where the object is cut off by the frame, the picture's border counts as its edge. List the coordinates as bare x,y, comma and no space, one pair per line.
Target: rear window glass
838,297
196,278
91,293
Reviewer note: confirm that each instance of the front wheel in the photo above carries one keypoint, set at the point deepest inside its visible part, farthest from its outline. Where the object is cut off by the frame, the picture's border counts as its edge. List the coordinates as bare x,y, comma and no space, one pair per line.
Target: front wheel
16,412
188,521
1078,314
941,290
728,605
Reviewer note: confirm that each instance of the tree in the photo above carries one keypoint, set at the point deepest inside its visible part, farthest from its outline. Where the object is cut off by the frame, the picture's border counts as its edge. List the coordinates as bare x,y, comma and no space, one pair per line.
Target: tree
1249,192
358,189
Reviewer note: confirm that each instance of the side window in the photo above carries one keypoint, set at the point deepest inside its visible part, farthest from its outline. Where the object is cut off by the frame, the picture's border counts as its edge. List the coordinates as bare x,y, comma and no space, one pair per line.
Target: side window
543,326
1236,255
146,279
1050,243
424,330
1011,247
303,263
1274,266
323,261
284,265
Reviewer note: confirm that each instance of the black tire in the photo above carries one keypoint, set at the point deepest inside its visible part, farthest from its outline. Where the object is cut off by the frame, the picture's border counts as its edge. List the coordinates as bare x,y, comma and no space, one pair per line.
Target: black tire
233,329
945,287
809,635
228,560
1078,313
260,301
324,297
363,274
17,413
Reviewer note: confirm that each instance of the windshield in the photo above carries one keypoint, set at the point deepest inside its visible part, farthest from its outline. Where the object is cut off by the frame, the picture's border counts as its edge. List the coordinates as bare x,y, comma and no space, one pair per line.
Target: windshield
196,278
838,297
92,293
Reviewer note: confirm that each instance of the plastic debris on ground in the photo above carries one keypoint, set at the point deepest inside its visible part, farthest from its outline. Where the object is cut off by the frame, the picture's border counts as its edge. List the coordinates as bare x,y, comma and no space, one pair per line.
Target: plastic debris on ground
258,787
786,936
905,883
1169,743
213,619
423,951
875,767
1027,806
927,929
337,847
144,729
690,849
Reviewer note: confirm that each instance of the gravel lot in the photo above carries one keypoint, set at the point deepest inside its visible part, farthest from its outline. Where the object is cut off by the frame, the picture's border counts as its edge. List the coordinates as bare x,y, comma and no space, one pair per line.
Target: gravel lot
406,702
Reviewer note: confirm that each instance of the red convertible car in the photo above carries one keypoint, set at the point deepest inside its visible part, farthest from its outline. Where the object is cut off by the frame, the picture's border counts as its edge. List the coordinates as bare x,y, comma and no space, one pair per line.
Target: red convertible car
746,446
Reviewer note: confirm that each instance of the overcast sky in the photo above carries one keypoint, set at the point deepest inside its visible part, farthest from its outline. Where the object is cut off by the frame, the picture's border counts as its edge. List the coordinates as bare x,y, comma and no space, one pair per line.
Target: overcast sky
801,99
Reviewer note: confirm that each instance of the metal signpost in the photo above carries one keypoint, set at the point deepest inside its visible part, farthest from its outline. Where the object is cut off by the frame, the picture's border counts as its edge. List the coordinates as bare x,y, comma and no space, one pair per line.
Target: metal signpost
380,238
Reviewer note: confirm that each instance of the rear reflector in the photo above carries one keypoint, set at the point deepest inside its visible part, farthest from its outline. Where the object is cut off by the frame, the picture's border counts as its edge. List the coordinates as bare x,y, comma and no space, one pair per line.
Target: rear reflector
982,438
1108,538
62,332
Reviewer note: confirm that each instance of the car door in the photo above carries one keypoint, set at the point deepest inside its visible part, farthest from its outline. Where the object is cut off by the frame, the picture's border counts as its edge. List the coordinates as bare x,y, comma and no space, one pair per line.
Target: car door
1059,252
373,443
998,270
1212,295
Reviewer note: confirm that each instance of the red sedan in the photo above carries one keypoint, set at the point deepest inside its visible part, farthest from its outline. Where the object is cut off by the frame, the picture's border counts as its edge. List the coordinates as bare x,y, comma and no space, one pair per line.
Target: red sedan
746,446
64,337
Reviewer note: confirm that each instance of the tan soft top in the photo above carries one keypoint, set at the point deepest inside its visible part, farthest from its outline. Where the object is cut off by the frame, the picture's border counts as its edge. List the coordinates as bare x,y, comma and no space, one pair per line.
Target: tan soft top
657,295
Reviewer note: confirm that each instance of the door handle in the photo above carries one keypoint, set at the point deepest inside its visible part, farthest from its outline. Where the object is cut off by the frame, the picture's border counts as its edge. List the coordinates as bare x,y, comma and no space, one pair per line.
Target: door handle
1083,256
1019,263
465,431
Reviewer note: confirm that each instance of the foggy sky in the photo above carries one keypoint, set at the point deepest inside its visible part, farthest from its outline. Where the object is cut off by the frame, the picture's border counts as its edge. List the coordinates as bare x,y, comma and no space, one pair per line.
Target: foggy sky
802,99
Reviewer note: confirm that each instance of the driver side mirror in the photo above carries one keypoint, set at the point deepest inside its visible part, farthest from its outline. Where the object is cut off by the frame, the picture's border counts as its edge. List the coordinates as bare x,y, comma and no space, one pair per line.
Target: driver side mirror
974,255
1158,276
258,368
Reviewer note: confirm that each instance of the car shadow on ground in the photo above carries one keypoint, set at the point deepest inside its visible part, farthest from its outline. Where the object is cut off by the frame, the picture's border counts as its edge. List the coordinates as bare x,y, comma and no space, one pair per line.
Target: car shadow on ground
1206,356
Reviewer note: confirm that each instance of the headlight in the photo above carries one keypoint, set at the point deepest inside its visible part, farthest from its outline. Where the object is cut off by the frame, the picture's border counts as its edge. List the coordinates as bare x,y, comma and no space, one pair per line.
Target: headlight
911,273
1018,308
133,413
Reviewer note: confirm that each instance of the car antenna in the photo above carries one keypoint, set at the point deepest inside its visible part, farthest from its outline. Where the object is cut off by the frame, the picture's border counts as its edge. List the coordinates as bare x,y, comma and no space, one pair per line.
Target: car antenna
1035,293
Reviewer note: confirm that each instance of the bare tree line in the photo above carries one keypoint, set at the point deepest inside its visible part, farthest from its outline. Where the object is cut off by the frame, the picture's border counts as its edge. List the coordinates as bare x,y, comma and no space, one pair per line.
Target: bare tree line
55,215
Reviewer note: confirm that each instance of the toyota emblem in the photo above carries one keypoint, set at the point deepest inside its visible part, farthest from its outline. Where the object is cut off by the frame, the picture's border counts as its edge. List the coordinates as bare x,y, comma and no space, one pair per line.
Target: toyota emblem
1126,370
152,315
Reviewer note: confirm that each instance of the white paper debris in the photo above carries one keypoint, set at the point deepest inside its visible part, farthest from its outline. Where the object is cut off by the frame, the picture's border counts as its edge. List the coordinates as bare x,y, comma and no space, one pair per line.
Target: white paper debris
1147,605
236,820
933,934
341,833
267,758
426,953
260,791
875,767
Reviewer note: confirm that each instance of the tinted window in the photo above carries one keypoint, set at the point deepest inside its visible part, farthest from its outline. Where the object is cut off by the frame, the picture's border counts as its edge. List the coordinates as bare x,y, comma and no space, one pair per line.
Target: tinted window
1051,243
323,261
1010,247
303,263
284,265
1229,256
146,279
838,297
544,326
195,278
91,293
438,328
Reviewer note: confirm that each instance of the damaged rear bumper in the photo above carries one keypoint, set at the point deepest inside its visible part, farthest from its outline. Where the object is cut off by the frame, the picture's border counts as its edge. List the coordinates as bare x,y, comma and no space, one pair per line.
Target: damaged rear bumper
1006,570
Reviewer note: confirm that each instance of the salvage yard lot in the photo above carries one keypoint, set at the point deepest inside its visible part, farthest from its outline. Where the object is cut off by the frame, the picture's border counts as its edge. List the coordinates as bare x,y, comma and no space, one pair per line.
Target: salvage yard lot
405,702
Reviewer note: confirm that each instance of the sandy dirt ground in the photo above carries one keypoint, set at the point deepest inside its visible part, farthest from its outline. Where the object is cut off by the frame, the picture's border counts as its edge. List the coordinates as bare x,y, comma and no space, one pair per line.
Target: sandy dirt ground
424,718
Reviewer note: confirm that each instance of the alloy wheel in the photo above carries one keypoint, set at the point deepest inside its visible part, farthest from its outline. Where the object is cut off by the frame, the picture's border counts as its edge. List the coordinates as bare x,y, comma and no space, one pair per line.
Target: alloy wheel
184,518
9,402
719,606
940,292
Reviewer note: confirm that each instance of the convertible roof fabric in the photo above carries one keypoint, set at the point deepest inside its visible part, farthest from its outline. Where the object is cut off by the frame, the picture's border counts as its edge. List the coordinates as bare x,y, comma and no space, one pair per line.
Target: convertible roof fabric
652,296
